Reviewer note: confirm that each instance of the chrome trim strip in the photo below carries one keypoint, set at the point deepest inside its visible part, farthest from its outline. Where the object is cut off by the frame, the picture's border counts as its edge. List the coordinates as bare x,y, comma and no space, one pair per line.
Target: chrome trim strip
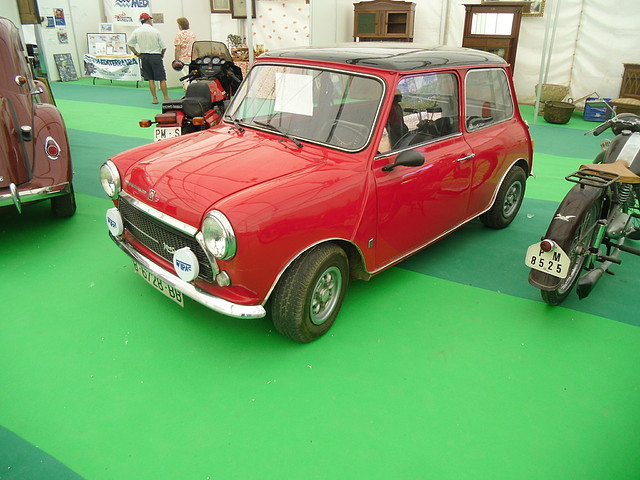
417,145
210,301
158,215
35,194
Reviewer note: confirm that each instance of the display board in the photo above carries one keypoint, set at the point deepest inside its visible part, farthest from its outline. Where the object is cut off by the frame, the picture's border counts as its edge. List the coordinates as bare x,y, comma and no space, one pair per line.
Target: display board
109,44
66,68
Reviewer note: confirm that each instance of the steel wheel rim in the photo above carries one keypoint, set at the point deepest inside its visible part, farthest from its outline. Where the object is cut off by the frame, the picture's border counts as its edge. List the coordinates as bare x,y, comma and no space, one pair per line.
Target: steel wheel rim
325,295
512,199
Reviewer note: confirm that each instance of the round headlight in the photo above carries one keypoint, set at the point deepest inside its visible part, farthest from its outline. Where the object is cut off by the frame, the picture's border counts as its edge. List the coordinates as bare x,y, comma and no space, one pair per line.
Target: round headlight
110,179
218,235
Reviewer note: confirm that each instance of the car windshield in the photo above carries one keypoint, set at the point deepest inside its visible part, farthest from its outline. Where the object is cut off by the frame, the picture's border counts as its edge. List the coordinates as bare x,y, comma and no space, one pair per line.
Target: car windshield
322,106
210,49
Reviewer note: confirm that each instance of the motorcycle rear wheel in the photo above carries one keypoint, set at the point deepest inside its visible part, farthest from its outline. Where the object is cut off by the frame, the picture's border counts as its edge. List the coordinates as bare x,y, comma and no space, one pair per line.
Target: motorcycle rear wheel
579,243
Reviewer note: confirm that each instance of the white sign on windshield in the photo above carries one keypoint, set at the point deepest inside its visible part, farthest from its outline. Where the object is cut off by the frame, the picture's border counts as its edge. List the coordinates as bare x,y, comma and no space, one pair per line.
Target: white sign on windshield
294,93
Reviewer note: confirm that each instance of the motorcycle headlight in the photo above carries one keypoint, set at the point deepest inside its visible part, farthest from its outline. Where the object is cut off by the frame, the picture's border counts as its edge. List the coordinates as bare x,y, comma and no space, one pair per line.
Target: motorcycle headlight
110,179
218,235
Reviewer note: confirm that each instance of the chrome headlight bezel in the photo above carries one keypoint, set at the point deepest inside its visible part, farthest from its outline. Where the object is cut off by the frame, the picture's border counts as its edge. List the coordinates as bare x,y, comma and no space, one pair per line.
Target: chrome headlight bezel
110,179
218,235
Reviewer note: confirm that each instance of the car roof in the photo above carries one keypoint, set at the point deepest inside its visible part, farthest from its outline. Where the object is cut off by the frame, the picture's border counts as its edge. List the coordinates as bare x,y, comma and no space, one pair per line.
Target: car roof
390,56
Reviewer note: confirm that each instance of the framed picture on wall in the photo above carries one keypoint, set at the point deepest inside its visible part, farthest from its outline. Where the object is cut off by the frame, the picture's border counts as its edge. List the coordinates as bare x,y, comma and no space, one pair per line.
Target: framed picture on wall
220,6
239,8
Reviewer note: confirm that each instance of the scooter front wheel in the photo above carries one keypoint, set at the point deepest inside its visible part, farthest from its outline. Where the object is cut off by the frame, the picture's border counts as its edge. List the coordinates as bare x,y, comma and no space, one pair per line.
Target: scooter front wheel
579,244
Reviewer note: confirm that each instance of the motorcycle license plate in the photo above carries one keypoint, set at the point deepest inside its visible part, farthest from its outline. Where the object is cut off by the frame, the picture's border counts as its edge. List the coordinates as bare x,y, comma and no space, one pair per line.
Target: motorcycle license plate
162,133
159,284
554,262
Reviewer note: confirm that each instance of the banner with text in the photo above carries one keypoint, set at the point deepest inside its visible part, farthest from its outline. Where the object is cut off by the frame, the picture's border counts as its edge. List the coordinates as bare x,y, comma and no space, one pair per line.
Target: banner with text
112,68
126,12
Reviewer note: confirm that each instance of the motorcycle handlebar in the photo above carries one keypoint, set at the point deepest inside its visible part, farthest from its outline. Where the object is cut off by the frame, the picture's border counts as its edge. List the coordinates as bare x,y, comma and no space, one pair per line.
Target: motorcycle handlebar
601,128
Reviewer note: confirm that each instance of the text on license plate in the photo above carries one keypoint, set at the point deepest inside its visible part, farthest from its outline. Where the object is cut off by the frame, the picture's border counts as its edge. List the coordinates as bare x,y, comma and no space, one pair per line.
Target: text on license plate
554,262
159,284
162,133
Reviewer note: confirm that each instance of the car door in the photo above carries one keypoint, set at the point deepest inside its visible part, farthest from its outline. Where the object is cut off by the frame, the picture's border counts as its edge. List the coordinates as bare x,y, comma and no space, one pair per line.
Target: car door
418,204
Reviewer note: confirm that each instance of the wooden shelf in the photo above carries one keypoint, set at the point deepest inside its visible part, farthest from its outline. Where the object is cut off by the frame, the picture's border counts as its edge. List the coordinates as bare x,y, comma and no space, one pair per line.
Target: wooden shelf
383,20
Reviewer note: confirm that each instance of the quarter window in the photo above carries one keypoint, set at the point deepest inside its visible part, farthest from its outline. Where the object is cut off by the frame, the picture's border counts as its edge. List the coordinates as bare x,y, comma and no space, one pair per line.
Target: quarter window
488,98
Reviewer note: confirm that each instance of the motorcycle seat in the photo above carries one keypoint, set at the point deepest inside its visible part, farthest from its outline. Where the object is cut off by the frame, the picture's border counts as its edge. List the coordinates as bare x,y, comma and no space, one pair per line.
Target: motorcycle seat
197,99
619,168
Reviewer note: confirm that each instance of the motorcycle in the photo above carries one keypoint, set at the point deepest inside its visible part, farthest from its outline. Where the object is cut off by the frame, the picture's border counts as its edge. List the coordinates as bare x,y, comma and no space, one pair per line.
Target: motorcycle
597,216
213,79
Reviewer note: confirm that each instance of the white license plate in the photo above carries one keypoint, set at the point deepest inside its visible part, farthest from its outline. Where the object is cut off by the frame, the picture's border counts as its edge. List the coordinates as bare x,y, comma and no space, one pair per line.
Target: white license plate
162,133
159,284
554,262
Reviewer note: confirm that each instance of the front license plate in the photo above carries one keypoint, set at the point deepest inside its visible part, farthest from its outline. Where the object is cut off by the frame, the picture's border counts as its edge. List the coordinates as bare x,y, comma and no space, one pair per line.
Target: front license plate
554,262
159,284
162,133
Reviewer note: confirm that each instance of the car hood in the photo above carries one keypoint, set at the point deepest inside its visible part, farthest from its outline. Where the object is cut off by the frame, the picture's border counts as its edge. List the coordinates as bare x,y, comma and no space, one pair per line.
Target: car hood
185,179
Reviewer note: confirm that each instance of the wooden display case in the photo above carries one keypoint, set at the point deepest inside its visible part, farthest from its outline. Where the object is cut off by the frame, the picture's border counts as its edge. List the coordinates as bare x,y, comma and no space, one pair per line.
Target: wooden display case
386,20
493,27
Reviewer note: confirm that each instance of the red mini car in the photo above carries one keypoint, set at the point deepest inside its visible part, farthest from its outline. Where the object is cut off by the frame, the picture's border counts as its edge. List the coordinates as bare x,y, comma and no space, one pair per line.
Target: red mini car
332,164
34,150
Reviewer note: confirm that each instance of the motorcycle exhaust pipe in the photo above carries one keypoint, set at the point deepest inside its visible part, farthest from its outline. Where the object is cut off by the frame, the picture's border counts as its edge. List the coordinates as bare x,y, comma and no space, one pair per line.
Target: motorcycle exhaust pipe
587,282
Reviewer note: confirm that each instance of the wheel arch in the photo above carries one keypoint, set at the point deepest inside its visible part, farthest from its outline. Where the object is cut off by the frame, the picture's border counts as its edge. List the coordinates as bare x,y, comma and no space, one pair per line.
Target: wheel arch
357,269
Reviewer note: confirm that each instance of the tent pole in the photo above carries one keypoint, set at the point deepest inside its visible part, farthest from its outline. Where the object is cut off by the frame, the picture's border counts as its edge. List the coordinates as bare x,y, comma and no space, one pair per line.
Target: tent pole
542,75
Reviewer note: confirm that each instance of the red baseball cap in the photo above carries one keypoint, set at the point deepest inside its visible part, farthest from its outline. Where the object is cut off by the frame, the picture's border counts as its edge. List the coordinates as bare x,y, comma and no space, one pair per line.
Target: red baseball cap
144,17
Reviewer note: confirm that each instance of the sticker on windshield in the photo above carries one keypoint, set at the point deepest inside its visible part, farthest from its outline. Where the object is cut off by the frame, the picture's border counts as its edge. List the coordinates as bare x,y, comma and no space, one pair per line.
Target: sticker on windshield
294,93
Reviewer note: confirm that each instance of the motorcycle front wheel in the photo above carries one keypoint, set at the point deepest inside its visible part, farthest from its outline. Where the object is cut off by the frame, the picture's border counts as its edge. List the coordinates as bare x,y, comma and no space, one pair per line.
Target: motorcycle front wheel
579,244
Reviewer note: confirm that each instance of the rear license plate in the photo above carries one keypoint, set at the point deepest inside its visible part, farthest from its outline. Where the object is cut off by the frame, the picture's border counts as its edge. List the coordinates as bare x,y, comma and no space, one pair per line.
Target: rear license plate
159,284
162,133
554,262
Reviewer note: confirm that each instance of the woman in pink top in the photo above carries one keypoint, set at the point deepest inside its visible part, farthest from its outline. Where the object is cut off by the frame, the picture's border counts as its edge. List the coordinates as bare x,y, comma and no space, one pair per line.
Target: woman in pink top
183,43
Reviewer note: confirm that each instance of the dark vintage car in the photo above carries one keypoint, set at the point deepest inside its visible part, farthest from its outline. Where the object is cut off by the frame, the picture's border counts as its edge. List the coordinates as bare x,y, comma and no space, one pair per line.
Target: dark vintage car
331,164
35,163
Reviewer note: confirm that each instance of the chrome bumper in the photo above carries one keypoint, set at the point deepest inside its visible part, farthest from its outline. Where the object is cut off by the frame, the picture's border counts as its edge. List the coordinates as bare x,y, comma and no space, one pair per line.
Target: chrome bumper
16,197
214,303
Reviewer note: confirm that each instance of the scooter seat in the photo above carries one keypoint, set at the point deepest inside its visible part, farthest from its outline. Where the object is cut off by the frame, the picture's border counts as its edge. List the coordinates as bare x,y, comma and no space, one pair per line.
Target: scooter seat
619,168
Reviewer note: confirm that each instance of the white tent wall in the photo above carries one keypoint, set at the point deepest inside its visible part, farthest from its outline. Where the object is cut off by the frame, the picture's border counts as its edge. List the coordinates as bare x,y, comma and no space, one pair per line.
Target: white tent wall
594,38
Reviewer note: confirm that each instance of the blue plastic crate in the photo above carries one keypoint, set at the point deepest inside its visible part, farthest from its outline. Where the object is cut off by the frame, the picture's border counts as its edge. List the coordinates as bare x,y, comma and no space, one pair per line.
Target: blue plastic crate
595,109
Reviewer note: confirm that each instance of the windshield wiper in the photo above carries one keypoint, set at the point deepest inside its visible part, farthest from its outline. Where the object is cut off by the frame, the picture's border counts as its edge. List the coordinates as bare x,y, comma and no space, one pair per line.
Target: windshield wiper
236,124
276,129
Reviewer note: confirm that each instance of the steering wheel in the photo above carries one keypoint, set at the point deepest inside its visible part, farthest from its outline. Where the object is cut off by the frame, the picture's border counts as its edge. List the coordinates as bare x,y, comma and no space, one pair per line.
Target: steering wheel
341,130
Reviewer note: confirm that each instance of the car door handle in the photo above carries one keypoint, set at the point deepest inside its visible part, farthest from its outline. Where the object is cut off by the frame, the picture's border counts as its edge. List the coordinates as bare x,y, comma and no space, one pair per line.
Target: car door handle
468,157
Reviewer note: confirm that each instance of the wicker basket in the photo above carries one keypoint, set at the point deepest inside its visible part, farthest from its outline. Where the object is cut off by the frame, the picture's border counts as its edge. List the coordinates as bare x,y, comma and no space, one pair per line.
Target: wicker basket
551,93
558,112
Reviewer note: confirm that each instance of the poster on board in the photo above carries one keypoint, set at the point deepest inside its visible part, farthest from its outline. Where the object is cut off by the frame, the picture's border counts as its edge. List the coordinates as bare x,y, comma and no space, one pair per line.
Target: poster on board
126,12
66,68
107,43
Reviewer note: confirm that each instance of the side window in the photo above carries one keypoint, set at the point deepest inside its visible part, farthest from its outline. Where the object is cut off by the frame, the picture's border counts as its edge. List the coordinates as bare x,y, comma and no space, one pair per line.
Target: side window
425,107
487,98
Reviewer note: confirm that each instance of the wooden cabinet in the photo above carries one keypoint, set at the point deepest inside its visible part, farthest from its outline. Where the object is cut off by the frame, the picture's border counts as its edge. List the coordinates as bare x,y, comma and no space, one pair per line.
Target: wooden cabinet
383,20
630,87
493,27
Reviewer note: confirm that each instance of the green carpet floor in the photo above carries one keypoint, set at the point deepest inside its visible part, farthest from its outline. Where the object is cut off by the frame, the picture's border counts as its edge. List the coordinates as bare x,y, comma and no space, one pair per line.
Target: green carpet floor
447,366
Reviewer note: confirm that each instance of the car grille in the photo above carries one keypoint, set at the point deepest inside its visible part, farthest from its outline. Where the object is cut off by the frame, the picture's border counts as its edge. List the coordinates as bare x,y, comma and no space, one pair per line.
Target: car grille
160,237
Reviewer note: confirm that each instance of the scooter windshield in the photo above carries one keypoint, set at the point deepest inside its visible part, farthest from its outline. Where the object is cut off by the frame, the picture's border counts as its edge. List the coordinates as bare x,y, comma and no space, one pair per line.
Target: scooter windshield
208,48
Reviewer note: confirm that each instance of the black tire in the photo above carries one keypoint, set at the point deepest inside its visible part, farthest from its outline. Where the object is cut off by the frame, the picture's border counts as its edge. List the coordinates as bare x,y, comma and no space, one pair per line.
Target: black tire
64,205
579,242
508,200
309,295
